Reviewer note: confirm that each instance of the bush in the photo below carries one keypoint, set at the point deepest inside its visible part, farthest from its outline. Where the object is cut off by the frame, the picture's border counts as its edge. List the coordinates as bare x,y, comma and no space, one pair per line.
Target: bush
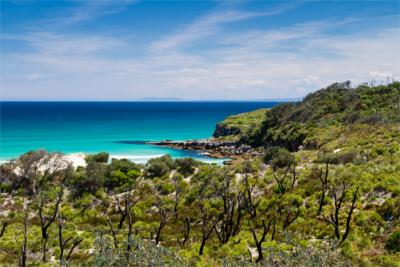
123,165
101,157
118,179
393,242
340,158
159,167
271,153
185,166
145,254
282,159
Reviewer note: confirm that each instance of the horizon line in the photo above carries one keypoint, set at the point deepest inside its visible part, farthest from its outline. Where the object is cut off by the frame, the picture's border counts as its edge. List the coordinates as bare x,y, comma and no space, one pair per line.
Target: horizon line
159,100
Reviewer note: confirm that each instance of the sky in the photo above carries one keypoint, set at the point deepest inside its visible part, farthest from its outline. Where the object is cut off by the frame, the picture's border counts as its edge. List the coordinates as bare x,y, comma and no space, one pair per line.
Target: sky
194,50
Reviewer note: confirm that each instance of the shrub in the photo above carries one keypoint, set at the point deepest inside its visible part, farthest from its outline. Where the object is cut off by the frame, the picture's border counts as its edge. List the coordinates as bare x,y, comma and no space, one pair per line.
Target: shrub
393,242
101,157
282,159
159,167
185,166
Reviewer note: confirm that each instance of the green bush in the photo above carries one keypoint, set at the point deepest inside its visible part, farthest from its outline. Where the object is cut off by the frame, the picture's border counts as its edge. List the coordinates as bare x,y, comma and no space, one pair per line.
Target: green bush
186,166
101,157
393,242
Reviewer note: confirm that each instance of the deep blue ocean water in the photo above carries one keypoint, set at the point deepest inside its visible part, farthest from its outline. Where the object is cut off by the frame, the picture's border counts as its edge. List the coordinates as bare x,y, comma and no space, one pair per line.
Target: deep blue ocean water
114,127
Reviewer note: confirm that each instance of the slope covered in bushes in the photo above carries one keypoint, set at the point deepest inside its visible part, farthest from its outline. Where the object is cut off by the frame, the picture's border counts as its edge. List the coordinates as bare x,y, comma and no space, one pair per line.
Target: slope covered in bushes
326,114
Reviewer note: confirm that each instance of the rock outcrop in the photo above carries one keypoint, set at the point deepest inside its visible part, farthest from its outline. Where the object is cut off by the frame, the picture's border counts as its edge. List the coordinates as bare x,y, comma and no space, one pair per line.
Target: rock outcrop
213,148
224,130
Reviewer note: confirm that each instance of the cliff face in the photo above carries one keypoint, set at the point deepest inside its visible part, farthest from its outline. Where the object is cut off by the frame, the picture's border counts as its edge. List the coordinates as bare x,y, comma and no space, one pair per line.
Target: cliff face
222,130
236,127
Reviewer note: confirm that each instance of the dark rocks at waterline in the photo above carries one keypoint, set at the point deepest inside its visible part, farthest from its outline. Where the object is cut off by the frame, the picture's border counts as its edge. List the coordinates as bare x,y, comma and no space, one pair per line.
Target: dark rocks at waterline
223,130
213,148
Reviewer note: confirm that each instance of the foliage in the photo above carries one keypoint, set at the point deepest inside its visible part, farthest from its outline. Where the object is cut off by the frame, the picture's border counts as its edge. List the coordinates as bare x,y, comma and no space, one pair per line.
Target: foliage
159,167
144,254
393,242
101,157
343,181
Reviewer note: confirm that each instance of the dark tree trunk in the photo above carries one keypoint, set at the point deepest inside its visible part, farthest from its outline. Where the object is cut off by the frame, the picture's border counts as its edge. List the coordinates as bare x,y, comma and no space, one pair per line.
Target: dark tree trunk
3,228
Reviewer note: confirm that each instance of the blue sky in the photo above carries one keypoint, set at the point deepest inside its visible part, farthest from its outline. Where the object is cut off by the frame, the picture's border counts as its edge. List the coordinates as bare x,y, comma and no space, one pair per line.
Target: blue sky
128,50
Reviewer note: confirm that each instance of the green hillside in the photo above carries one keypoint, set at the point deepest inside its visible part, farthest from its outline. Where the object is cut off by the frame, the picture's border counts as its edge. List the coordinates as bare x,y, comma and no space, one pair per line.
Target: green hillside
324,116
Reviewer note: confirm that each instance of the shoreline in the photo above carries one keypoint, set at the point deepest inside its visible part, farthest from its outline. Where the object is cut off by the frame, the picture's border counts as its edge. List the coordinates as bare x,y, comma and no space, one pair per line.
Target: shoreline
77,159
213,148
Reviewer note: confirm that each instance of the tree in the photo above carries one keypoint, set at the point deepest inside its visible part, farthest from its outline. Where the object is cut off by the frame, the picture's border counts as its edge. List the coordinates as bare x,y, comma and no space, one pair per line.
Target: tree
334,217
259,226
90,179
323,177
230,216
283,169
180,188
22,258
205,202
3,228
46,220
161,204
64,242
208,221
187,221
37,168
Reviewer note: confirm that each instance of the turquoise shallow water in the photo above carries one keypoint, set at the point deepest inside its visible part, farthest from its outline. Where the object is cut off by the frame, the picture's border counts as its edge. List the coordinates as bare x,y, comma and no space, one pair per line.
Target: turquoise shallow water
91,127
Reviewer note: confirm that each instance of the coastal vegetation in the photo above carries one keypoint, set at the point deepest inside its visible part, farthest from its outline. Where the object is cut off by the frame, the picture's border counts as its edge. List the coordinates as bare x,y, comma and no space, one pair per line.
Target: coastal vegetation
323,189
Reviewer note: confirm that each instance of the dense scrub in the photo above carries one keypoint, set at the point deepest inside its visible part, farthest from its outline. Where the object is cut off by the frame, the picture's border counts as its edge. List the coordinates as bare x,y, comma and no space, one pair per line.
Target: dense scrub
334,203
336,107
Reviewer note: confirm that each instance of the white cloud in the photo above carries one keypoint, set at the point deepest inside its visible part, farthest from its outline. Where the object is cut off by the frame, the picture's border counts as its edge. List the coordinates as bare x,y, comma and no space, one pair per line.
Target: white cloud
87,10
208,25
283,62
34,76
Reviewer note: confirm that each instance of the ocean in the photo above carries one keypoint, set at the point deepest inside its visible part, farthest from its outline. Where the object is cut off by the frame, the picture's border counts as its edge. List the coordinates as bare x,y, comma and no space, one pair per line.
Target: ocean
119,128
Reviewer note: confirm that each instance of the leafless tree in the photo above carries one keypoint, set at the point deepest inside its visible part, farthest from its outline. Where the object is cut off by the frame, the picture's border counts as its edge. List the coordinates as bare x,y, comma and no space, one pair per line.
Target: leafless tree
208,222
323,177
64,242
129,203
334,217
163,214
47,220
231,216
22,259
281,177
259,240
123,211
113,231
251,205
289,216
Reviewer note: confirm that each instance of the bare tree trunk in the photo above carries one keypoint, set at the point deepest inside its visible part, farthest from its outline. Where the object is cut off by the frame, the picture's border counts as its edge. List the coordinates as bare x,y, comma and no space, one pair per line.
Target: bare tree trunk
45,223
76,243
206,233
22,260
186,232
3,228
113,232
348,220
334,218
44,249
159,229
324,185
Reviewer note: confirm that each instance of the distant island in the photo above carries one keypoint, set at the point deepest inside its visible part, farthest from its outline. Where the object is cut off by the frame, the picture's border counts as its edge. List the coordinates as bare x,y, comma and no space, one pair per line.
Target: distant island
314,182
